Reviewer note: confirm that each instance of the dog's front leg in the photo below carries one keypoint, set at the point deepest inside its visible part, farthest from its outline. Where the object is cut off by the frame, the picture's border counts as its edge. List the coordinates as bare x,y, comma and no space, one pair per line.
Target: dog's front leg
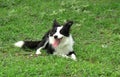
41,45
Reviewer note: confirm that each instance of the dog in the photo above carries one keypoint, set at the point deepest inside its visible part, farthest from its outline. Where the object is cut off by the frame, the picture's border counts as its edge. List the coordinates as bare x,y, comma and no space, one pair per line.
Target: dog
57,41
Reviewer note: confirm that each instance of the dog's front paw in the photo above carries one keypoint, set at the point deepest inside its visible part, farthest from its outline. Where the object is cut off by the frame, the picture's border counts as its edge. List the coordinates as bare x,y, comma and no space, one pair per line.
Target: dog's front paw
38,52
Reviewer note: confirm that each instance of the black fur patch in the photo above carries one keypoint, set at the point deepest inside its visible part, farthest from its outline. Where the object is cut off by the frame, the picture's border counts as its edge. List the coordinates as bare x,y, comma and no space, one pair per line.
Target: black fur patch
49,49
53,31
66,28
31,44
70,53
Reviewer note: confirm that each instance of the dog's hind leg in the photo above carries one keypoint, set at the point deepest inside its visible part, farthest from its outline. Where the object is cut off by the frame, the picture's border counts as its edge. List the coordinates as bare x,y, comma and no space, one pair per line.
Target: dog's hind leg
72,55
41,45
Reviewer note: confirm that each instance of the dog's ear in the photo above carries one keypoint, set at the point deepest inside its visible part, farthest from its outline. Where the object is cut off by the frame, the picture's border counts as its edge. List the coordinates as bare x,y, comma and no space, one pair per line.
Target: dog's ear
68,24
55,23
66,28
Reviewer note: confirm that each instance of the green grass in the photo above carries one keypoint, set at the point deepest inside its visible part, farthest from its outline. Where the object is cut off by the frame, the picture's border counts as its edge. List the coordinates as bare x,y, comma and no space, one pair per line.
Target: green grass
96,31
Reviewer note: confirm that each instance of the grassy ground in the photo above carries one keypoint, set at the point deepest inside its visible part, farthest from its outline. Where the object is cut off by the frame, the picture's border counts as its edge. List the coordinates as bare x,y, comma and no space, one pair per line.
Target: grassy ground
96,31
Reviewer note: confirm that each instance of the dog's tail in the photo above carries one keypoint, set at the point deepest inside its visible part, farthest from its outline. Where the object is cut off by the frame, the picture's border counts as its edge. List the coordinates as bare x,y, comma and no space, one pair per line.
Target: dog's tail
27,44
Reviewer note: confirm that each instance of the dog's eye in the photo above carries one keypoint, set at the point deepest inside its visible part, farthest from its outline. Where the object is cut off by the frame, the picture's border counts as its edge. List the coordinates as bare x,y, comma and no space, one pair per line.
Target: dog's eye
52,32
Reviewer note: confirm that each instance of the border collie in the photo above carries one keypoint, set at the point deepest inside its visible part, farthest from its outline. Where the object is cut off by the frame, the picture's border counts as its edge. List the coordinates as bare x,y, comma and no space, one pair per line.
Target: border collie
57,41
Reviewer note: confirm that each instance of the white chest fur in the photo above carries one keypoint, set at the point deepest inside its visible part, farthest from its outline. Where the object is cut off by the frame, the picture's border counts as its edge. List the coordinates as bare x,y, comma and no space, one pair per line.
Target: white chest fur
65,46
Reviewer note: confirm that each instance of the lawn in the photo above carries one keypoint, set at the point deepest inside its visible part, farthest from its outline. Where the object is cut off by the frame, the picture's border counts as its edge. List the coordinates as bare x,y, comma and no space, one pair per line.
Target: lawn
96,31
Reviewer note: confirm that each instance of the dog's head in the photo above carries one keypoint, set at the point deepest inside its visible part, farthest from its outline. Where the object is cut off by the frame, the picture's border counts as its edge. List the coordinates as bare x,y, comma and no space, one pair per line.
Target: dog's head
59,32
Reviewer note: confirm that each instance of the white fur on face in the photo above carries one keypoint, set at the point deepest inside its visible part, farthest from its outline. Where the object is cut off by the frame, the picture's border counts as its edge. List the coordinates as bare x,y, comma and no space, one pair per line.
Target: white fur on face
58,32
51,38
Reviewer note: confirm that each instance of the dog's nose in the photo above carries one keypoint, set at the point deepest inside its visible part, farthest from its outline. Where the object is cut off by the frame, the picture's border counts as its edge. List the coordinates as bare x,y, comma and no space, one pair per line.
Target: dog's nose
55,37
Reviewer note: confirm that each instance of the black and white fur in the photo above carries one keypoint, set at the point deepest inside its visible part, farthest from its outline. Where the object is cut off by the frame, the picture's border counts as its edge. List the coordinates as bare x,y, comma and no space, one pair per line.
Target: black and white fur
60,33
